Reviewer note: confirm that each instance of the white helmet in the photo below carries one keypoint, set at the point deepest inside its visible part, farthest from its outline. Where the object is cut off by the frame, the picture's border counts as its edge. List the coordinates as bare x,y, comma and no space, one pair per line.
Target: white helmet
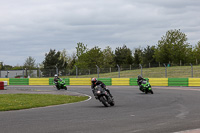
94,80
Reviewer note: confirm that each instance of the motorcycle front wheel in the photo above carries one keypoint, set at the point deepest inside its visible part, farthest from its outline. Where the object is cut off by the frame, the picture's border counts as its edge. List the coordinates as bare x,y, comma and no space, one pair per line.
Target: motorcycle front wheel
65,87
104,101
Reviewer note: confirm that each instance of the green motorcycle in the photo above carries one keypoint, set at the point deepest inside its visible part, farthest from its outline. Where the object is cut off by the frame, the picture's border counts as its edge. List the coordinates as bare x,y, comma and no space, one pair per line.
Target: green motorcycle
146,87
60,84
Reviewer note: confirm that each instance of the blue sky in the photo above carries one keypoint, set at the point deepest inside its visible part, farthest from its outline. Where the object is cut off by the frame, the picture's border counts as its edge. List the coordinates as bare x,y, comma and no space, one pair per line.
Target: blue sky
33,27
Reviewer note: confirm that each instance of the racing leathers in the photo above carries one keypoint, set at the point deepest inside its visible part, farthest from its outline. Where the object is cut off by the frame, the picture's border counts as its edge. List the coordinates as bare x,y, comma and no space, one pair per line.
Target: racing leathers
102,85
139,82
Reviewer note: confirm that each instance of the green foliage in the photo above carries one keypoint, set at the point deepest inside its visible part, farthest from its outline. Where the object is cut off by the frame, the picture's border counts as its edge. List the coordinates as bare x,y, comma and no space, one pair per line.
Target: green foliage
172,48
18,68
81,49
29,65
197,53
123,55
54,60
138,56
51,59
108,58
72,61
1,65
91,58
62,60
7,67
148,54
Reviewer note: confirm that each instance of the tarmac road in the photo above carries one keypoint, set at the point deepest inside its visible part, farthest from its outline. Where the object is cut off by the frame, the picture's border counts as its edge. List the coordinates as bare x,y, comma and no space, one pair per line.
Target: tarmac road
170,109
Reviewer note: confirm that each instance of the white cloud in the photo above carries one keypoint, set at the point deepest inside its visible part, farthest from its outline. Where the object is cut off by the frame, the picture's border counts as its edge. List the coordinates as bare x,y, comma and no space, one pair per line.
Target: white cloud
32,27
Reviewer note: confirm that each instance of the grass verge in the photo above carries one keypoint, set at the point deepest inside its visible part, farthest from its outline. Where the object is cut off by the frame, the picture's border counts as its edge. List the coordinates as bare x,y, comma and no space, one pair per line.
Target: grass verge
26,101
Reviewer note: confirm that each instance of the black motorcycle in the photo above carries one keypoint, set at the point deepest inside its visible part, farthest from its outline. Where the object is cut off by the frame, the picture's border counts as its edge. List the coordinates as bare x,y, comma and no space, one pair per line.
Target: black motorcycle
103,96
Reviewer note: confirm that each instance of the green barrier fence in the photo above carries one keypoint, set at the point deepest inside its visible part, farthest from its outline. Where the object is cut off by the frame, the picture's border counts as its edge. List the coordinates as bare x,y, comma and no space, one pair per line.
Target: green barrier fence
106,81
51,81
177,81
133,82
18,81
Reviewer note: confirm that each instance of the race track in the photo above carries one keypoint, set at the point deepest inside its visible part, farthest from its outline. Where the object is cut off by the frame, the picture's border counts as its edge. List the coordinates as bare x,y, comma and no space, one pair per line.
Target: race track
169,110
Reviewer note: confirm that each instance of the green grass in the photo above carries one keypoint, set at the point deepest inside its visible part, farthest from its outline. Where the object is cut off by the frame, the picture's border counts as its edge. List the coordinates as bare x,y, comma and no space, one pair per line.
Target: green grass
154,72
26,101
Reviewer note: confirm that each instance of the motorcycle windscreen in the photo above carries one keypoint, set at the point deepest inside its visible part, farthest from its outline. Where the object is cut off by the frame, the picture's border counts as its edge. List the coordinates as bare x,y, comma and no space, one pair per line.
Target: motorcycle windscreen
144,82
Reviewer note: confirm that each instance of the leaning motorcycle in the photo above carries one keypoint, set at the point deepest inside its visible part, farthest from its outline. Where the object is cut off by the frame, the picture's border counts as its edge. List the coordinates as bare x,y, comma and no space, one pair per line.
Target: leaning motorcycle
103,96
146,87
60,84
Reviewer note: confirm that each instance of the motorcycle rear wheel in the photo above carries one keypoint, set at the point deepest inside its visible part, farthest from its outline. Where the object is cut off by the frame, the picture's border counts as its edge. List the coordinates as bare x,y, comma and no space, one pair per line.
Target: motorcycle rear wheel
112,103
57,88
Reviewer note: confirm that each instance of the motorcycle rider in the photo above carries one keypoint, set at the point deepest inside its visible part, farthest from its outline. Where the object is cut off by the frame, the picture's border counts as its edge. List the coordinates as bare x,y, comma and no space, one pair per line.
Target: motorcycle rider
139,82
56,79
96,82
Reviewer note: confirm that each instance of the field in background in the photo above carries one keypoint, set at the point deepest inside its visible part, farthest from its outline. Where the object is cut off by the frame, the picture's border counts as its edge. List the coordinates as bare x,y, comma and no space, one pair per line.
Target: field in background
156,72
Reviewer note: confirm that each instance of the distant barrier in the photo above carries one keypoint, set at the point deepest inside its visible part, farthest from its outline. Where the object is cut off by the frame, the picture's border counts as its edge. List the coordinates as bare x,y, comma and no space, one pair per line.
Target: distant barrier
80,81
177,81
158,81
194,82
107,81
38,81
18,81
120,81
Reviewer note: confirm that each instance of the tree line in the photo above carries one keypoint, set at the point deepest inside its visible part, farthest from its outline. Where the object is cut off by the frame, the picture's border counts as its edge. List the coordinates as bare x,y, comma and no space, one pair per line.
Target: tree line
172,49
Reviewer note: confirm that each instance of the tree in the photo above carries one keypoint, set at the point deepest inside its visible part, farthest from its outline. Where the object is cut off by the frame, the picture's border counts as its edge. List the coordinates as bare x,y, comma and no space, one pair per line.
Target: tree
138,56
108,57
62,60
71,64
148,54
172,48
54,61
123,56
197,53
91,58
1,66
81,49
71,61
29,65
94,57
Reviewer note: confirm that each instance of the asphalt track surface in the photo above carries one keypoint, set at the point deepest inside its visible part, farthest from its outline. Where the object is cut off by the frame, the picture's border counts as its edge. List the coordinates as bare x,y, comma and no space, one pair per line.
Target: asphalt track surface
168,110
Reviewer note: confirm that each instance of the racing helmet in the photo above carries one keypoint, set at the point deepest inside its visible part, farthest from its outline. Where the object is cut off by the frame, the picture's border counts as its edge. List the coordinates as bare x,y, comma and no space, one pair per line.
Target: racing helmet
56,76
94,80
139,77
